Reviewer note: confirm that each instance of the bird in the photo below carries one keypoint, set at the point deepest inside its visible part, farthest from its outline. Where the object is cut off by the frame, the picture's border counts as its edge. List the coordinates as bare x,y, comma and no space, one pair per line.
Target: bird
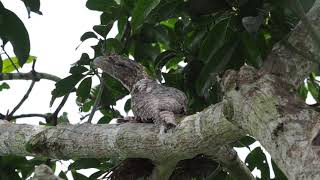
151,101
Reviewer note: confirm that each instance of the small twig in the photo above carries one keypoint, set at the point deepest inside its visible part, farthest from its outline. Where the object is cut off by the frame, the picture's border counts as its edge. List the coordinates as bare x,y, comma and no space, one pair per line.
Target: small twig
125,37
62,103
97,100
85,116
23,99
33,65
53,118
13,64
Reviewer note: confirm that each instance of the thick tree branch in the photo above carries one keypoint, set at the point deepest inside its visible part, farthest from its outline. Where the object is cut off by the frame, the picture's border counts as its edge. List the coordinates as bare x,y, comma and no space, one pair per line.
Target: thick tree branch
193,136
268,108
290,65
228,157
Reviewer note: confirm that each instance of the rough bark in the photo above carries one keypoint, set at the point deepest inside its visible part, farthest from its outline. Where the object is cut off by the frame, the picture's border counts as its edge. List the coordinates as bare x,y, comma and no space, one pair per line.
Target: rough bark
44,172
200,133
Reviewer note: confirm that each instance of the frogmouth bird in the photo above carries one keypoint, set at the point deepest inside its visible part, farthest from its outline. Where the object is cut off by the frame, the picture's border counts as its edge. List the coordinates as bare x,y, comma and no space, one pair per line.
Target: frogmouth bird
150,101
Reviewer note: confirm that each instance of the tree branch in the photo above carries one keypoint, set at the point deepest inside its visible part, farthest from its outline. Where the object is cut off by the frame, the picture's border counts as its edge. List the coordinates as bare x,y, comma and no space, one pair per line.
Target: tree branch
294,67
44,172
230,160
97,100
268,108
54,115
28,76
128,140
29,115
24,98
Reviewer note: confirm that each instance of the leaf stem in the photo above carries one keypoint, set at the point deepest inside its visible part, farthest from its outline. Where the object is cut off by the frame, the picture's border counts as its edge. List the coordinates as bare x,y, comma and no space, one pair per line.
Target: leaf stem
98,98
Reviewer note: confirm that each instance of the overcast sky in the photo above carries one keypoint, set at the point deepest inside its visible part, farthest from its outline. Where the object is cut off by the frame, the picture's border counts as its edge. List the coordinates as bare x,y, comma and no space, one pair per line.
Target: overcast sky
54,37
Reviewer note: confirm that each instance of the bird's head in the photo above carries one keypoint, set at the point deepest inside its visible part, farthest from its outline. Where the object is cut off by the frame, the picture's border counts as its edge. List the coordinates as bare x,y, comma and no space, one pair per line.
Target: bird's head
127,71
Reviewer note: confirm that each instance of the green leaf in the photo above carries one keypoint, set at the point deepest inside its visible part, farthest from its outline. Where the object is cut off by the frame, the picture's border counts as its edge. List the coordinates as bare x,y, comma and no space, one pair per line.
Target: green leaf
88,35
172,64
174,79
257,159
85,164
8,67
106,18
97,174
84,59
78,176
1,64
194,39
121,24
63,175
84,88
127,106
64,86
214,66
87,106
140,12
245,142
179,28
279,175
113,46
102,5
162,59
32,5
114,15
63,118
103,30
146,51
78,69
169,22
13,29
252,51
314,89
165,10
303,91
214,40
4,86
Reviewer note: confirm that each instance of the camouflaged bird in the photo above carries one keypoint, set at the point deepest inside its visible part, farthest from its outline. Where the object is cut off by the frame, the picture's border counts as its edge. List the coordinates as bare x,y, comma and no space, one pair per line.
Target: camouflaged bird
151,101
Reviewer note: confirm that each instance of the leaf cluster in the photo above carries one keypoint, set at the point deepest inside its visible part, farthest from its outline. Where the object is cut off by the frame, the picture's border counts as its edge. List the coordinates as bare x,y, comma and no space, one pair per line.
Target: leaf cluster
183,44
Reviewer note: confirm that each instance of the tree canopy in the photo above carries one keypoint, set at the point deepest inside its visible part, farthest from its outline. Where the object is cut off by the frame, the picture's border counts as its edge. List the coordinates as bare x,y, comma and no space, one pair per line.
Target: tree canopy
225,55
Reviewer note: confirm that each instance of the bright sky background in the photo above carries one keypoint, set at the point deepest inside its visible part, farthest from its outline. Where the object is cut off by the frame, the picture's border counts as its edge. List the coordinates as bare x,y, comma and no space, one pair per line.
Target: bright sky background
54,38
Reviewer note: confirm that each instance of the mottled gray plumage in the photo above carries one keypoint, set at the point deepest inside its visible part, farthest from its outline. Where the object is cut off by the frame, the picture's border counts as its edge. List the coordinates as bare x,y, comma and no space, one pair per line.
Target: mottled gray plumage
151,102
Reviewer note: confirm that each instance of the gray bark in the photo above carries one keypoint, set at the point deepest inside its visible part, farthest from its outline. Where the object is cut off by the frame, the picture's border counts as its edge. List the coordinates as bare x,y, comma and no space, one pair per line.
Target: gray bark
44,172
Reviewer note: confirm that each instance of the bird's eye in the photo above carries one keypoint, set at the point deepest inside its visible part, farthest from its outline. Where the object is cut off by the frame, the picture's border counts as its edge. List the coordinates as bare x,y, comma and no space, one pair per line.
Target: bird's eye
121,65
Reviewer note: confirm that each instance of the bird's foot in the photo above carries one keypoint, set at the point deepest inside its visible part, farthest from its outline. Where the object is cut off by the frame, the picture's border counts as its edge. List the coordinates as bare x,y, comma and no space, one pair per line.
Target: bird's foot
130,119
167,120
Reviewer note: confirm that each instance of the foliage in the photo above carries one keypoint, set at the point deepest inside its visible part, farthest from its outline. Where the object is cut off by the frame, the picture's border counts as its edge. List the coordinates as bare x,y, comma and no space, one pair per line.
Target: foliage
195,41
